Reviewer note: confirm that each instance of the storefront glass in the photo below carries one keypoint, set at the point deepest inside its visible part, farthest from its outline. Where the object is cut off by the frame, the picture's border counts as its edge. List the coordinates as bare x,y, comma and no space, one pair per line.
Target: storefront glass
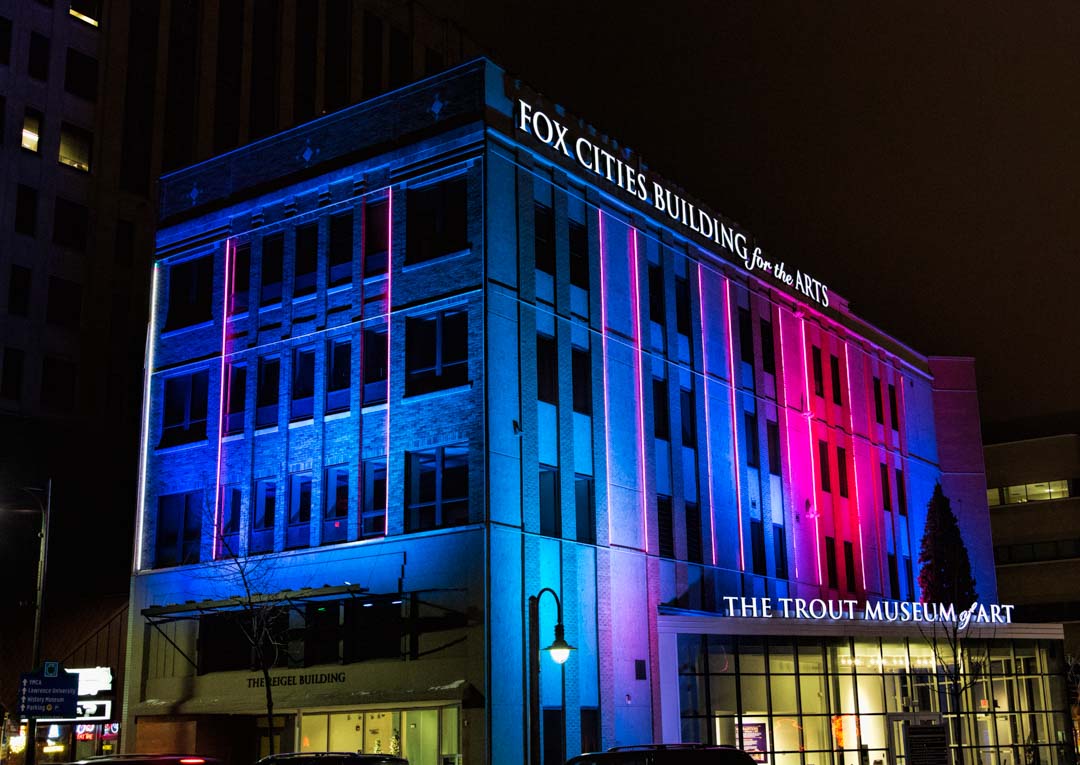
423,736
833,701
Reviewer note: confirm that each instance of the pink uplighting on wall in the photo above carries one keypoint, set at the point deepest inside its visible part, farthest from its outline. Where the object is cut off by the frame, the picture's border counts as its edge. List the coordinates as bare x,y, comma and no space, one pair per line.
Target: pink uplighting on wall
230,247
603,346
705,396
638,371
389,321
787,439
734,420
854,464
813,459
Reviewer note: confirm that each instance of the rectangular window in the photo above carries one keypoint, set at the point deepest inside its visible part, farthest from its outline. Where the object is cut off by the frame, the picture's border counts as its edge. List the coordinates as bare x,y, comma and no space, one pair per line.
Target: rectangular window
879,409
11,382
894,411
26,202
688,410
230,522
544,237
780,551
32,130
81,75
550,508
585,509
373,515
746,337
19,291
547,370
661,409
58,384
184,412
298,532
768,348
305,60
376,238
235,397
665,522
240,280
894,578
37,64
273,268
910,579
753,443
693,532
71,229
190,285
436,351
849,566
886,497
400,58
830,562
682,306
373,54
336,504
265,59
341,249
5,40
819,373
581,369
178,535
772,434
338,375
841,471
590,729
554,742
901,493
437,487
307,260
337,51
266,393
302,394
87,11
437,220
834,369
579,255
230,57
657,312
823,466
375,360
757,548
64,307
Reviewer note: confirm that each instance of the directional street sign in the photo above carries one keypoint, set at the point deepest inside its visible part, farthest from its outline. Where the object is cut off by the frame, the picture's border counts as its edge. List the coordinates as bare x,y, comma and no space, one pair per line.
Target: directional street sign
42,695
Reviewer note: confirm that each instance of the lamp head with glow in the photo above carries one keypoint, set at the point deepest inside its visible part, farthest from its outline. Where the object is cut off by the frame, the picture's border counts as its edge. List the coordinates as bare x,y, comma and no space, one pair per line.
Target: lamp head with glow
560,649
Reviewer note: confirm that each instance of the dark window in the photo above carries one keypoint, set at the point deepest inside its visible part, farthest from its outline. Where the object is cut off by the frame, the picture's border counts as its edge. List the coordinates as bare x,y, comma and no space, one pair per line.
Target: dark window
71,224
321,636
298,532
757,548
181,83
819,373
830,562
58,384
139,95
547,370
585,509
682,306
400,58
302,393
11,382
266,52
26,200
341,249
746,337
240,279
373,54
189,293
307,260
665,522
544,236
263,517
693,532
273,268
437,487
5,40
235,398
222,644
894,578
590,729
849,566
436,351
375,362
901,493
841,471
823,459
768,348
305,60
433,64
32,130
336,504
124,252
337,52
688,411
37,65
772,434
894,412
437,220
581,368
909,578
554,736
184,413
834,369
230,522
656,294
550,507
753,442
230,58
80,75
338,375
178,536
266,393
780,551
376,238
661,409
19,291
372,630
886,498
579,255
65,303
373,515
879,409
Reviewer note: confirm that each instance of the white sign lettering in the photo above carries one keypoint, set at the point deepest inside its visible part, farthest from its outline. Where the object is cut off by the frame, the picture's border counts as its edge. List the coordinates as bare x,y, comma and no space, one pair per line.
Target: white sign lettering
817,609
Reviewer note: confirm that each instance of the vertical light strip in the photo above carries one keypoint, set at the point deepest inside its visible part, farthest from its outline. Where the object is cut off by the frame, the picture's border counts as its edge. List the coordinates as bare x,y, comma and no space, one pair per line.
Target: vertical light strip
705,396
389,346
639,372
147,376
734,420
787,440
813,447
229,245
603,348
854,464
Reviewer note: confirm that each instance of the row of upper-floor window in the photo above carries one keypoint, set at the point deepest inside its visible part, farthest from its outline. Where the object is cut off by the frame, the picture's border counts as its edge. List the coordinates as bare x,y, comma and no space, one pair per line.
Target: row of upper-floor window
1034,552
63,302
71,220
80,69
57,381
1033,492
75,147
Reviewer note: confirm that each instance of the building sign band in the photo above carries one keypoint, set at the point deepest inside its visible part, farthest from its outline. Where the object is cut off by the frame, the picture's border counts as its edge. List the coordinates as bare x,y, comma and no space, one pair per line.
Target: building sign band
817,609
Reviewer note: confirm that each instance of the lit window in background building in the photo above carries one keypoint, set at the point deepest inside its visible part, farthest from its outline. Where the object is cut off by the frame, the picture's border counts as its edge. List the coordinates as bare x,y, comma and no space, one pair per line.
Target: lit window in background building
86,11
31,130
75,146
1031,492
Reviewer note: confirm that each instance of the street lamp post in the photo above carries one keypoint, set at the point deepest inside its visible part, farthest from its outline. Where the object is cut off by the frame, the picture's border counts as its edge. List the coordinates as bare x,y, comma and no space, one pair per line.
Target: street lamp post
559,651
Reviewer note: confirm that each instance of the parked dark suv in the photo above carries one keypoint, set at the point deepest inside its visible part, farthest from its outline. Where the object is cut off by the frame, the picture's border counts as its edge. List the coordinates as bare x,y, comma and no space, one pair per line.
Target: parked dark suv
665,754
332,758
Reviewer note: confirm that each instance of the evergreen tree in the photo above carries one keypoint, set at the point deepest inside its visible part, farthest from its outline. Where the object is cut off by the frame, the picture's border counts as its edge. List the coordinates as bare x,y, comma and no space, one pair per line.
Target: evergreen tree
945,573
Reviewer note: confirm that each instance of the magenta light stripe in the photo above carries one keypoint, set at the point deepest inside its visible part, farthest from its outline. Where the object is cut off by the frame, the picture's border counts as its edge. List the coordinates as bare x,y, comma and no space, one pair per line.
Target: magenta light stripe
787,440
705,395
389,321
855,464
603,346
639,371
813,459
734,420
229,265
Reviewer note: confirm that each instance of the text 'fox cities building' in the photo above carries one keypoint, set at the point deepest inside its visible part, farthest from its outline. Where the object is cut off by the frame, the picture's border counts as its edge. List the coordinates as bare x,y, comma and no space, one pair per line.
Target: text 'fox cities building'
412,363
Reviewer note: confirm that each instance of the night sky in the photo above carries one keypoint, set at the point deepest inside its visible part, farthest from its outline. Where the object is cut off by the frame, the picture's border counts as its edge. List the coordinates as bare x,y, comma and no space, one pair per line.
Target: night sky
921,159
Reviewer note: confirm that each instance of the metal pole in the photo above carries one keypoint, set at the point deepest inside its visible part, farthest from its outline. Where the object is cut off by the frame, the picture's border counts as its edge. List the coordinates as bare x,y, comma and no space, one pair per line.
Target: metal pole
534,680
31,722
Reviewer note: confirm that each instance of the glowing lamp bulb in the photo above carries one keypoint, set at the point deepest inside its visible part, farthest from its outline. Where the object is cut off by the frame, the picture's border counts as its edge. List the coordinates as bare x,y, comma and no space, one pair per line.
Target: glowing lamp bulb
560,649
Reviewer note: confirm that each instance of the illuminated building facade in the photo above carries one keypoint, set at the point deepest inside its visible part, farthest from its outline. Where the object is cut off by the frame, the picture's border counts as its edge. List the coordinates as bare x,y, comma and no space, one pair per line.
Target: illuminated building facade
413,362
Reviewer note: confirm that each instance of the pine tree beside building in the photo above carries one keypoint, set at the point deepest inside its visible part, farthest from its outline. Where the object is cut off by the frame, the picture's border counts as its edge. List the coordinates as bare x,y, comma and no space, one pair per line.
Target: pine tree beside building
945,568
